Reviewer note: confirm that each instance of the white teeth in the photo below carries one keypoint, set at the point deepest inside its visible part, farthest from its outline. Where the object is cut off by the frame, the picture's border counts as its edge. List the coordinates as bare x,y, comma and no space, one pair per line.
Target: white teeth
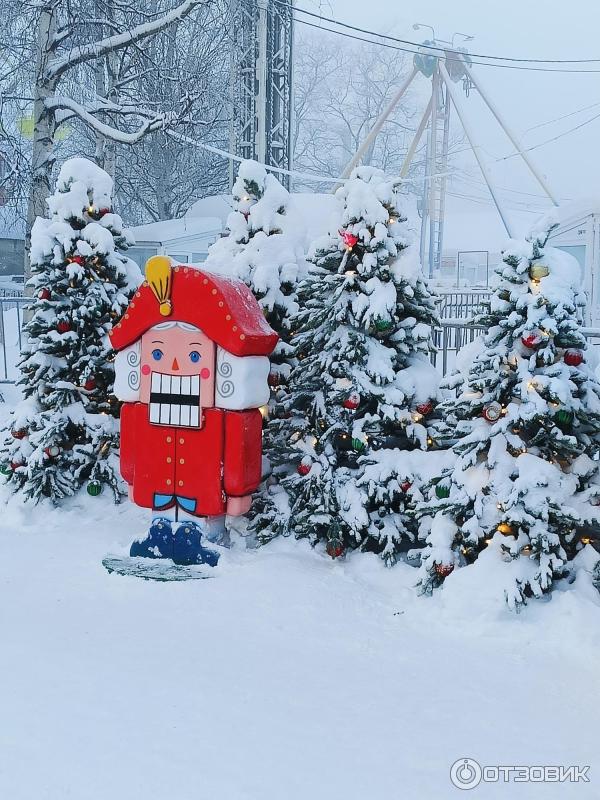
183,414
184,419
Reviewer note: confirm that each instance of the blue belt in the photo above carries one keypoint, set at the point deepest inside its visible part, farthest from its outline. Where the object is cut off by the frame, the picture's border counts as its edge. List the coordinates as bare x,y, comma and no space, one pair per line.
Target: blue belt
162,501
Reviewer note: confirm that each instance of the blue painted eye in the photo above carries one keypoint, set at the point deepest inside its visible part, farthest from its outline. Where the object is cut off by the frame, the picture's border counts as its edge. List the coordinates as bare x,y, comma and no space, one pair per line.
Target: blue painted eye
157,354
195,356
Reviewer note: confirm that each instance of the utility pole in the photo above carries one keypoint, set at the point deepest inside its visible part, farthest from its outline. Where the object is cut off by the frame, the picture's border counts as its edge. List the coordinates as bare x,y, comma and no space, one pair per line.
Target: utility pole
261,82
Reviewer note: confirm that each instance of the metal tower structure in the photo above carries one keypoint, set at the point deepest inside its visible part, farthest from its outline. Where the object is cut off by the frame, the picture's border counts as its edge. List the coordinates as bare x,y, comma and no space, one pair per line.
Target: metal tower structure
261,82
445,66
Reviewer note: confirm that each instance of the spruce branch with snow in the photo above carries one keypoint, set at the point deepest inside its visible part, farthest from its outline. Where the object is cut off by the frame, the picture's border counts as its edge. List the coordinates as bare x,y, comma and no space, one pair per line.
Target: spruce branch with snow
526,427
65,431
363,385
263,248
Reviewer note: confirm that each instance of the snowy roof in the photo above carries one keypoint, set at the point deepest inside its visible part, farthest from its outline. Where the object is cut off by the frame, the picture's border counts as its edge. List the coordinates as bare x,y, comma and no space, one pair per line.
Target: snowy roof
219,205
578,209
172,229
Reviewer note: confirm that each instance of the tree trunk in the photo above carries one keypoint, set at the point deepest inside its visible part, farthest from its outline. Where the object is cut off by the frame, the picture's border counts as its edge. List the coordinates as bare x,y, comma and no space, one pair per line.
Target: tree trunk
44,129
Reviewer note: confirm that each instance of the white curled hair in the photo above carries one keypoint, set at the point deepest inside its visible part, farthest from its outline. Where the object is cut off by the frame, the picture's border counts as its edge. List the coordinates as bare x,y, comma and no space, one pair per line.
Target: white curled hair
241,381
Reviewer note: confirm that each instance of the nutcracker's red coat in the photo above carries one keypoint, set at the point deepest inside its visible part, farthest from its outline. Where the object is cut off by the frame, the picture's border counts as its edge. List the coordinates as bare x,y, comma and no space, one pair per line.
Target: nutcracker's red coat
220,460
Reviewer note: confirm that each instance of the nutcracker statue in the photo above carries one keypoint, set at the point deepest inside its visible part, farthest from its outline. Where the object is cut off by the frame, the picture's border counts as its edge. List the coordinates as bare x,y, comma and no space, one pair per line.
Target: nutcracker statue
192,369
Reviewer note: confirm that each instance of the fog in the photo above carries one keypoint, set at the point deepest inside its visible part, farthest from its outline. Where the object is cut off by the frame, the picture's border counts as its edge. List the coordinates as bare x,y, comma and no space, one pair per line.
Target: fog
526,98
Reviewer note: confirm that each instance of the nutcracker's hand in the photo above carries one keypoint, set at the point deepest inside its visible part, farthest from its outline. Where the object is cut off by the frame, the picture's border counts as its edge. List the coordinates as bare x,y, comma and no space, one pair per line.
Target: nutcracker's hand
236,506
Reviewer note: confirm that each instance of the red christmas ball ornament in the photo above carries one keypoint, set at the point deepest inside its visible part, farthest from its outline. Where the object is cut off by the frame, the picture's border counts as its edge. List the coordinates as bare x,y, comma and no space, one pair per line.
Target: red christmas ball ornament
425,408
405,486
89,385
531,340
103,211
349,239
352,401
273,379
334,549
63,326
15,465
443,570
492,412
21,433
77,260
303,469
44,294
573,358
52,451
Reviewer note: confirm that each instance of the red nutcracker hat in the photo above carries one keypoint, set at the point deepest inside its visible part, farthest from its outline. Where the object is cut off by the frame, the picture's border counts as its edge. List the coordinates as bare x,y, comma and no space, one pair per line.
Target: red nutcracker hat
223,308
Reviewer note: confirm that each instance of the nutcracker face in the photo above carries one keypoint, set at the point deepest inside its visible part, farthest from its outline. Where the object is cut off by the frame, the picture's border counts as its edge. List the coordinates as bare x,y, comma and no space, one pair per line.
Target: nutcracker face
177,374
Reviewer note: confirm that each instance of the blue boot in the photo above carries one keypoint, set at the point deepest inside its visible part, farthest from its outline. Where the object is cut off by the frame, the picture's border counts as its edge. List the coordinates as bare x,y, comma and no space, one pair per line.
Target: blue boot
187,547
158,543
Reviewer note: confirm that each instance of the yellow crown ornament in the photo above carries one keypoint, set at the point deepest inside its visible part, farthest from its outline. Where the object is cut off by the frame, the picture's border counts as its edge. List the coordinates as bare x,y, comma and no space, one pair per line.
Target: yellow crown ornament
159,275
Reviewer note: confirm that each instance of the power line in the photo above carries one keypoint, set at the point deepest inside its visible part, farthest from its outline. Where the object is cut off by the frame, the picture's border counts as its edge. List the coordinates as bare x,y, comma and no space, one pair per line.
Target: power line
558,119
419,47
444,50
553,139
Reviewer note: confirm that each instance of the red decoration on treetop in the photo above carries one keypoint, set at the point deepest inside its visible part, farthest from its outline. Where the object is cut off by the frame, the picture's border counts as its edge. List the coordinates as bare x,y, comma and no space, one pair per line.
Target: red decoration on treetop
349,239
303,469
573,358
63,326
443,570
77,260
44,294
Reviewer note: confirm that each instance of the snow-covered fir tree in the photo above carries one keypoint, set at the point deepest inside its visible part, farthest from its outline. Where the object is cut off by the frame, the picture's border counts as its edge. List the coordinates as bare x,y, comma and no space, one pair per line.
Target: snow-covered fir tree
64,433
363,387
262,249
522,496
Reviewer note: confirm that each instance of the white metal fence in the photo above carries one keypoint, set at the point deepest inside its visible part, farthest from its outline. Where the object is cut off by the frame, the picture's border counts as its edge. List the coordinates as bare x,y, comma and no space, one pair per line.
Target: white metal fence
455,332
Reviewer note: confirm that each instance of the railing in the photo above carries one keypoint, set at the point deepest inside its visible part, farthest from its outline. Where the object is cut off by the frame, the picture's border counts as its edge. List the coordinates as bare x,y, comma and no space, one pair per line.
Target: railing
450,338
454,334
11,328
461,303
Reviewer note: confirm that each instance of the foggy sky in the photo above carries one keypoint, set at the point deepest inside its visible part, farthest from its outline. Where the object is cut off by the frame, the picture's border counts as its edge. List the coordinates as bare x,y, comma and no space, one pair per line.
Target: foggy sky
518,28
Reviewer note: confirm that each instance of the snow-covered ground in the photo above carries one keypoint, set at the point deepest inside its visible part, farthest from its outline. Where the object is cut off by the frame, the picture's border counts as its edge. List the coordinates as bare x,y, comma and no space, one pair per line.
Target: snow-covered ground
286,677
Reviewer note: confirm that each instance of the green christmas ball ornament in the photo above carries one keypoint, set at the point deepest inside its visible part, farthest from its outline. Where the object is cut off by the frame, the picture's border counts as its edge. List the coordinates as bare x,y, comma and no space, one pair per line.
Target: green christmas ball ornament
441,491
5,469
564,417
358,445
94,488
382,325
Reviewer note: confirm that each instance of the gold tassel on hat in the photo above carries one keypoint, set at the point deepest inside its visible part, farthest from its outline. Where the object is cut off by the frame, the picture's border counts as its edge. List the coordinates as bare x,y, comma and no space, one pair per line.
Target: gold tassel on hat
159,277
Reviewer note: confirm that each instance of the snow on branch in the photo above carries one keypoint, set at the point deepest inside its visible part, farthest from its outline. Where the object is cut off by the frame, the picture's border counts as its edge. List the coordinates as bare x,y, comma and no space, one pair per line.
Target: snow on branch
90,52
156,122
